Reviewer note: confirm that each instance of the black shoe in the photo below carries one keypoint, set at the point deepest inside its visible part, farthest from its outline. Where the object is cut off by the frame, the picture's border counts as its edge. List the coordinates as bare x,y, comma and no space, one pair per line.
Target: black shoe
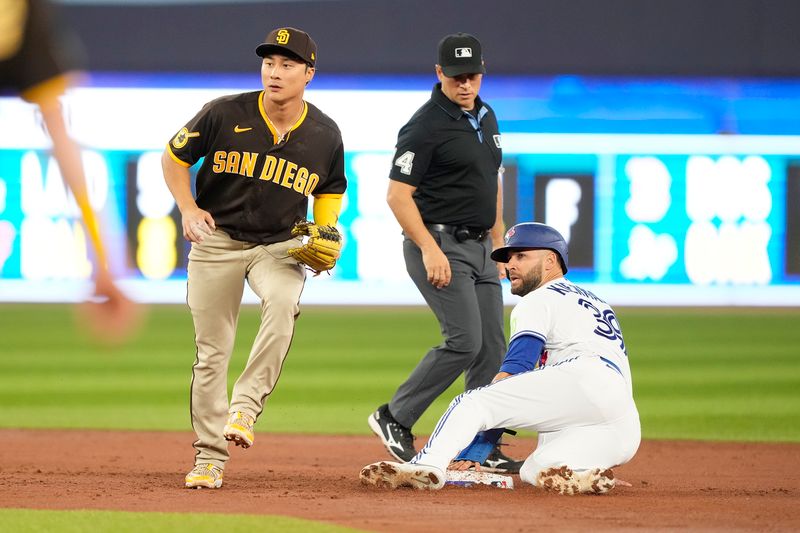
398,439
502,463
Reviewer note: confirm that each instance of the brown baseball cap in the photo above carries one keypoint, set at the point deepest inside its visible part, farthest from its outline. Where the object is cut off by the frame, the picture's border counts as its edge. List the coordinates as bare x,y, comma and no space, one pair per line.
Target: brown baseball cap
297,42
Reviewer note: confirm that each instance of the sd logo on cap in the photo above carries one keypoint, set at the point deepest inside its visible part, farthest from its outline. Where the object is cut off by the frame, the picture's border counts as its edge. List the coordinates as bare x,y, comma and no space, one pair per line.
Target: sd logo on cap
289,40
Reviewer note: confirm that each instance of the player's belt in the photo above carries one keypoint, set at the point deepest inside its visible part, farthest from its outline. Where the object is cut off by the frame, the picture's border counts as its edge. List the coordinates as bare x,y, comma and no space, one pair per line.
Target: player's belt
461,233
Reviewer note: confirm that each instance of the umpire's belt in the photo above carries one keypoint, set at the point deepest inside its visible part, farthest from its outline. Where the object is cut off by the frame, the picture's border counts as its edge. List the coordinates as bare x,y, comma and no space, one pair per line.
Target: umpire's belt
461,233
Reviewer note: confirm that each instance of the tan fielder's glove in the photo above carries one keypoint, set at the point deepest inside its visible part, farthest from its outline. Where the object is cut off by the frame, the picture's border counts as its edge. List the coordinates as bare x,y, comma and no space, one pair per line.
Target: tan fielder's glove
321,250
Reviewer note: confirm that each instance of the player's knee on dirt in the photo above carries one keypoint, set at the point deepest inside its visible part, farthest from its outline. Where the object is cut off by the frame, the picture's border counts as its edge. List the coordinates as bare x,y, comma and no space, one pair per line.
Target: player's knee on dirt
530,471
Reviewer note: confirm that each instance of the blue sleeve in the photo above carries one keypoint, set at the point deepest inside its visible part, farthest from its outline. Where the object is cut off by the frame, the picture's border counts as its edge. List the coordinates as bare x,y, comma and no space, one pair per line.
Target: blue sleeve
524,353
481,446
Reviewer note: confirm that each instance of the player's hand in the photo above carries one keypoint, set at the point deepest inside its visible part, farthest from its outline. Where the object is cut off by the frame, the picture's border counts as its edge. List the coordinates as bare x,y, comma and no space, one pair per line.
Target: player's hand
501,375
501,270
464,465
111,317
197,224
437,266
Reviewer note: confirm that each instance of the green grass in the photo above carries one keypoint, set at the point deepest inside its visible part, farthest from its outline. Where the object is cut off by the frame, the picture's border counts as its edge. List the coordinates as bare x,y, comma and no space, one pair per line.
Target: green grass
730,374
716,374
34,521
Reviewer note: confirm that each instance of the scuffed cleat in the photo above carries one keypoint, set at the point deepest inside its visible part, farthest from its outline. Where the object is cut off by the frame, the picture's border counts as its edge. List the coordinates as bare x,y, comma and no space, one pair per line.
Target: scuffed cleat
204,475
564,480
239,429
386,474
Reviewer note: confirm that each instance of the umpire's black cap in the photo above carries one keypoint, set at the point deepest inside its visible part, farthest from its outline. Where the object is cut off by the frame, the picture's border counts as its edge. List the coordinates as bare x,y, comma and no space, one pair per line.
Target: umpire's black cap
460,53
297,42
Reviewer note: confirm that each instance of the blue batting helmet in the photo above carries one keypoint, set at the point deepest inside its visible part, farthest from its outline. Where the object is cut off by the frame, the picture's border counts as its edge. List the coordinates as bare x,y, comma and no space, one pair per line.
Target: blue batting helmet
533,235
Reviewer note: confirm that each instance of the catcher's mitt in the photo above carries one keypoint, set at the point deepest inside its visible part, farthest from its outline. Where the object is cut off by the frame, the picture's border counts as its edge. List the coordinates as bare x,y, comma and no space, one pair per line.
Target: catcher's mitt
321,250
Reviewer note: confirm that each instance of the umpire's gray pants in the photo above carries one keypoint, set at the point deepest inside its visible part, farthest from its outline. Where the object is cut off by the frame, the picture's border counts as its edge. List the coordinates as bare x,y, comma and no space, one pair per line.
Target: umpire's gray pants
470,314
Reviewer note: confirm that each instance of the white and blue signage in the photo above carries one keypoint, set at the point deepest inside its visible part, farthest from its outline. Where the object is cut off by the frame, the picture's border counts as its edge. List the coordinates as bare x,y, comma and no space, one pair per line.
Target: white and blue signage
702,209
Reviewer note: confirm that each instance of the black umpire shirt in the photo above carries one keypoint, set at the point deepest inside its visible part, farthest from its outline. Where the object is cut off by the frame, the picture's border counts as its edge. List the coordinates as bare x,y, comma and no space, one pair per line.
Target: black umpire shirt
453,165
255,184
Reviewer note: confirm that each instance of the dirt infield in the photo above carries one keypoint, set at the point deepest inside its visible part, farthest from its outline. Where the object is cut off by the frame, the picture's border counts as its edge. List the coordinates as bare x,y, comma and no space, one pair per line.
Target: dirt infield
676,485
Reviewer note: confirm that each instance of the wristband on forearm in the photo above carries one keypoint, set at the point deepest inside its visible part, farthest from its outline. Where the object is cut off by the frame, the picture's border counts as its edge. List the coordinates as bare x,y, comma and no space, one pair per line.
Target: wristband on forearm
481,446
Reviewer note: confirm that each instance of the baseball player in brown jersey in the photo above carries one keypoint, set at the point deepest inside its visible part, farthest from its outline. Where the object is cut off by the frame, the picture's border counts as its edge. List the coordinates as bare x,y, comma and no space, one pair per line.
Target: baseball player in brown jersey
265,153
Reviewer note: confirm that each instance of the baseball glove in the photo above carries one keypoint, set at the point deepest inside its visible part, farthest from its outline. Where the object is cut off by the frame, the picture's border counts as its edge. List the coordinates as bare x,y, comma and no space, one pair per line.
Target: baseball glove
322,248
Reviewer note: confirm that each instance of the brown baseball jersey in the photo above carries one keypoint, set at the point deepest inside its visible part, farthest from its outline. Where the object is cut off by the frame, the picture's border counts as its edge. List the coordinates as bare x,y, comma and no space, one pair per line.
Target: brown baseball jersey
254,183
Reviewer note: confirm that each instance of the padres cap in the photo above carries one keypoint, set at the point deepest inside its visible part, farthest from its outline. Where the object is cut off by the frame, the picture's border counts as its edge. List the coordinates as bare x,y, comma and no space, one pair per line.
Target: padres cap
292,40
461,53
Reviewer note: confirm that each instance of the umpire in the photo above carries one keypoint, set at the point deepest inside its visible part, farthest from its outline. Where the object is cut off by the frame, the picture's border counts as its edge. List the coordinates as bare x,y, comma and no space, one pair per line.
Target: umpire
445,192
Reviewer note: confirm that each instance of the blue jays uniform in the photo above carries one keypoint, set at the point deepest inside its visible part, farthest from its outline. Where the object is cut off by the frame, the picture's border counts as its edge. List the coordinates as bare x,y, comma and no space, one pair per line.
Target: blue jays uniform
578,397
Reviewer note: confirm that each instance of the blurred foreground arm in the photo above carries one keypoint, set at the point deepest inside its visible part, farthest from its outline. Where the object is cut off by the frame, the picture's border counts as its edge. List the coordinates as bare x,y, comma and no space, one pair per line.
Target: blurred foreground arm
115,318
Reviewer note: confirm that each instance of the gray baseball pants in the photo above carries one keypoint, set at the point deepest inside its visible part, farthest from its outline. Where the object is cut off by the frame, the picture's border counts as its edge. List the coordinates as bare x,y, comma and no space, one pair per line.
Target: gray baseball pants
470,314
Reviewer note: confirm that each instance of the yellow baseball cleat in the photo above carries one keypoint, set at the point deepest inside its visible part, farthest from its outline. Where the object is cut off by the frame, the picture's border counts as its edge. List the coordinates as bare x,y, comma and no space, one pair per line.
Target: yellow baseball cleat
239,429
204,475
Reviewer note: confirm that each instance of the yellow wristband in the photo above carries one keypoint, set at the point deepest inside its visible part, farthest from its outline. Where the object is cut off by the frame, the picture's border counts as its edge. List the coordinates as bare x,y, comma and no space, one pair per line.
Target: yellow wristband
93,229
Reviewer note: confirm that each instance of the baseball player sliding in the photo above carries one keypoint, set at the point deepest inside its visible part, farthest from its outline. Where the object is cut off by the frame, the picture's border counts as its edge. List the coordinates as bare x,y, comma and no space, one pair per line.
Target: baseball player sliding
565,376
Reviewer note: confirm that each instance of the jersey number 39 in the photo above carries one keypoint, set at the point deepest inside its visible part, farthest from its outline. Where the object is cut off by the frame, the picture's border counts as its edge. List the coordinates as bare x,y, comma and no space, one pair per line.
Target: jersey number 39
608,326
405,162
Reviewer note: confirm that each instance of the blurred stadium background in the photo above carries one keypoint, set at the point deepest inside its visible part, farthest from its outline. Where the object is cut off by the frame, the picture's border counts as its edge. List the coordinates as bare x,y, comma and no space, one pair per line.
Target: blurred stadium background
663,139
